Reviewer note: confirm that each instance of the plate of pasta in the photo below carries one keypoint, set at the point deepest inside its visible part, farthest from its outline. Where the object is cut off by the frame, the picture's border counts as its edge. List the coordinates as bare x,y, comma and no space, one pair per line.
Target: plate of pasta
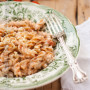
29,55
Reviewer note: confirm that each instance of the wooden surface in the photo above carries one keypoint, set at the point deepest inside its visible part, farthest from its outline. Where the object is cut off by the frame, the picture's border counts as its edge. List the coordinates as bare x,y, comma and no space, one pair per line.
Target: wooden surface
77,11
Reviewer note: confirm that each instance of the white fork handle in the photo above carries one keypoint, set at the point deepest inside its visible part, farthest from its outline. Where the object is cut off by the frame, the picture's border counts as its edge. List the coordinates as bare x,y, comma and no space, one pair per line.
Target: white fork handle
78,74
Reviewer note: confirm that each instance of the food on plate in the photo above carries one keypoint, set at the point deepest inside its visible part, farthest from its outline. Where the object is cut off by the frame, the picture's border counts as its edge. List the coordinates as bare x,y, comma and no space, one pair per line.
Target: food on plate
24,48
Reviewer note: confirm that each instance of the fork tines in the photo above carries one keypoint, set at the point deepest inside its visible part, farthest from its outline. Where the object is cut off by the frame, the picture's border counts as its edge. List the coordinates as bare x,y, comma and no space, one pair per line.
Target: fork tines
54,25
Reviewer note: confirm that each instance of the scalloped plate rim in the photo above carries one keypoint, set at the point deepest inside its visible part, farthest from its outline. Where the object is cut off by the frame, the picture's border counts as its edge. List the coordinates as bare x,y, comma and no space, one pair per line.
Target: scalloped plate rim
56,76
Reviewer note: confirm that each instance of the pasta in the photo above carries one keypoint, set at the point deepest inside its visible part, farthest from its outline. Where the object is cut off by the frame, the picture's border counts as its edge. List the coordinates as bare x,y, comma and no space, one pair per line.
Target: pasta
24,48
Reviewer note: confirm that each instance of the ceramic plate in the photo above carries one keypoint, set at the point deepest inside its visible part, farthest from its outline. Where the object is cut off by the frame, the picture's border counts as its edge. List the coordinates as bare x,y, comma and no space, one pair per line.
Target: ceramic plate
25,10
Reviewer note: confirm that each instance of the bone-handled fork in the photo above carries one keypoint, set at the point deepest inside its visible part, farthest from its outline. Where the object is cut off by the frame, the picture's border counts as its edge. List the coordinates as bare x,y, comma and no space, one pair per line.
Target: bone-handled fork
78,74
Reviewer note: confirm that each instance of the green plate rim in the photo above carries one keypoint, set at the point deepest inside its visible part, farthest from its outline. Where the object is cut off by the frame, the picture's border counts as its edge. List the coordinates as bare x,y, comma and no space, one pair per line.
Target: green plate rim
57,75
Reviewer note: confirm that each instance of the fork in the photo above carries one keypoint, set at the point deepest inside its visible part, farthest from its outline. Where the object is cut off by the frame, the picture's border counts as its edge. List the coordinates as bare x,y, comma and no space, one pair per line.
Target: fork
78,74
